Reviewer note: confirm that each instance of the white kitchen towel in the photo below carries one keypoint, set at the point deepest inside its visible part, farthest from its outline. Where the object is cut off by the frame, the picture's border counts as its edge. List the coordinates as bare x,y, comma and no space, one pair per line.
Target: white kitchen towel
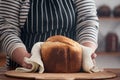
37,64
35,60
88,63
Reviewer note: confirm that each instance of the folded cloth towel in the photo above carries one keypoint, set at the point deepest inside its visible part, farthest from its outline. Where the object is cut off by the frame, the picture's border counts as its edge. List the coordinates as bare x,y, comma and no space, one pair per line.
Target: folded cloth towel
88,64
37,64
35,60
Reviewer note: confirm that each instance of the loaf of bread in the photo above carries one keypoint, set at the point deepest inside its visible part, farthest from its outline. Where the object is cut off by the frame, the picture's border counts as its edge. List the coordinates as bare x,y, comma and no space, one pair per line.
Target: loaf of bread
61,54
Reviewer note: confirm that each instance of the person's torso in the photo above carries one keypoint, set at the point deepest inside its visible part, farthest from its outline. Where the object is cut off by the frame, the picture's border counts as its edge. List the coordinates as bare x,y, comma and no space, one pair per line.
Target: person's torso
47,18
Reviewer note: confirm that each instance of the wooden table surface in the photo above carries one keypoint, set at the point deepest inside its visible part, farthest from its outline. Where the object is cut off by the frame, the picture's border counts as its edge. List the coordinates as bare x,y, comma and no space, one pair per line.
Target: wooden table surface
4,69
2,59
3,77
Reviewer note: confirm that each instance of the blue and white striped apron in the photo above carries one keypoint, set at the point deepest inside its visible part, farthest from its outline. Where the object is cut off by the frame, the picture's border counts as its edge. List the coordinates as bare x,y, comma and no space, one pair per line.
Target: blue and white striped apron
47,18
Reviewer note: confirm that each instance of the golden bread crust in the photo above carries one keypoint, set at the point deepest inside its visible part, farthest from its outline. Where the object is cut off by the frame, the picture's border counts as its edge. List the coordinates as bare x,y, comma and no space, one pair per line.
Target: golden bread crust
61,54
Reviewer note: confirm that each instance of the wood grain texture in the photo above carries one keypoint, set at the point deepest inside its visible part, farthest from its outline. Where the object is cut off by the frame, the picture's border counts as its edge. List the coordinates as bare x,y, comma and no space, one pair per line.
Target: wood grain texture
62,76
2,59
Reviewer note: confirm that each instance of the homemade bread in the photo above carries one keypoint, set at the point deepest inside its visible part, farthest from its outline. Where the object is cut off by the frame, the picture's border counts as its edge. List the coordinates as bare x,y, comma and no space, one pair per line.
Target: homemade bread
61,54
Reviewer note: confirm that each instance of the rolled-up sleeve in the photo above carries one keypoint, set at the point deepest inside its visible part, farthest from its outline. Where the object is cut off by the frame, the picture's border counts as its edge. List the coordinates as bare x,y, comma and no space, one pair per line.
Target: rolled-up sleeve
9,25
87,25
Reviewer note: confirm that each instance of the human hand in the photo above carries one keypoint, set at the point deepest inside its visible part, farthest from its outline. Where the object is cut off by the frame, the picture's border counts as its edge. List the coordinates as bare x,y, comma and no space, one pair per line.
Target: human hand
93,47
18,56
93,56
26,65
34,62
89,64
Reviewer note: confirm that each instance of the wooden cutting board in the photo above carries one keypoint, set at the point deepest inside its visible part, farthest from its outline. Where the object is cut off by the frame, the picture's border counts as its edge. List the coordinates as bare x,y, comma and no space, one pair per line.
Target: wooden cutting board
61,76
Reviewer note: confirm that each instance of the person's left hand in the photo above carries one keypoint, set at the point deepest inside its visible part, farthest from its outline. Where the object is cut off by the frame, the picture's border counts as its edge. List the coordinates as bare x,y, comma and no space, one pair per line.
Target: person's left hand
93,56
93,47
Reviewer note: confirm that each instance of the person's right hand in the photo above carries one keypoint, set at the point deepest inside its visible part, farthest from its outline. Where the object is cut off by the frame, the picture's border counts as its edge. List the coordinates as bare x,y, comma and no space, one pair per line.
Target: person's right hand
26,65
18,56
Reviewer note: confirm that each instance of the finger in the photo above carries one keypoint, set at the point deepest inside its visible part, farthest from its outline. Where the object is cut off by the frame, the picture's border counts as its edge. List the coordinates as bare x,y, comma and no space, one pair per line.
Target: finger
29,66
94,62
25,65
94,55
